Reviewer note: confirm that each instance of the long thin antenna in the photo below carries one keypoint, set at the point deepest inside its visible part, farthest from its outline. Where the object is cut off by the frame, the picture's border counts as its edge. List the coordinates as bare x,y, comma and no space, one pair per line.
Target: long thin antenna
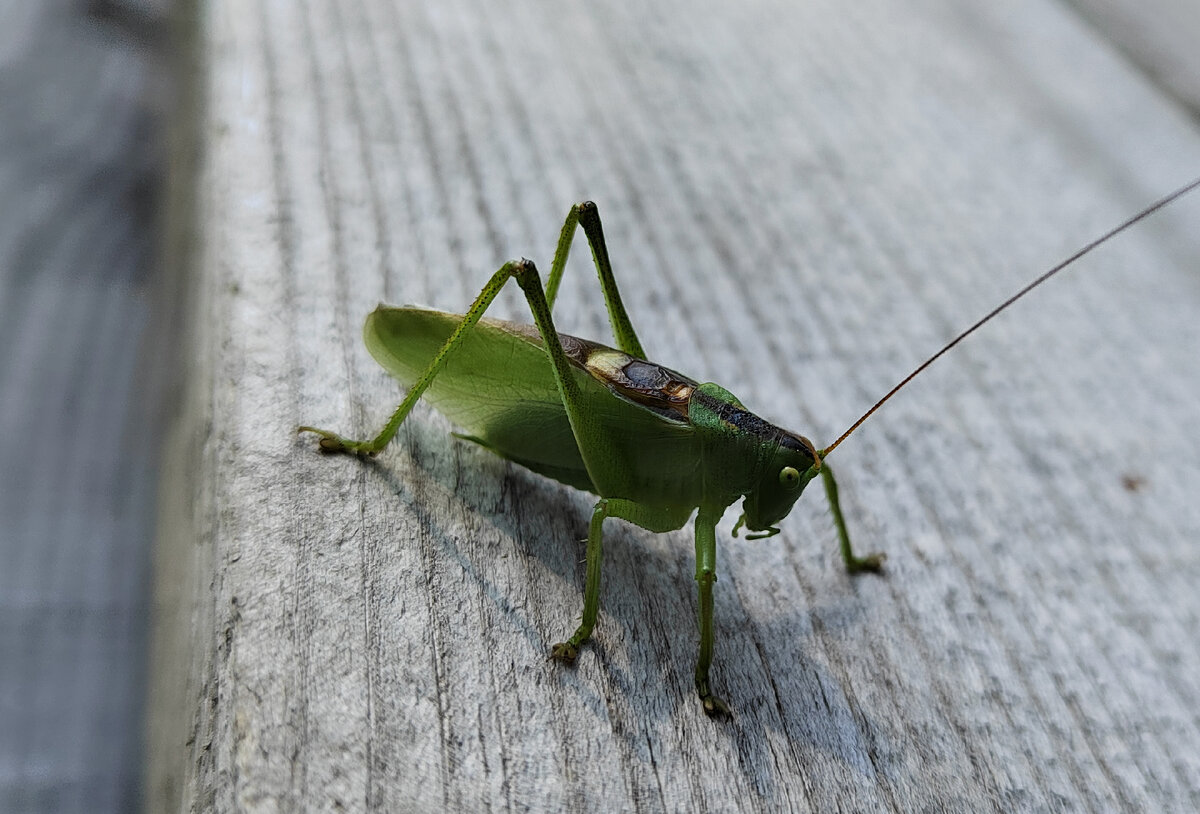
1150,210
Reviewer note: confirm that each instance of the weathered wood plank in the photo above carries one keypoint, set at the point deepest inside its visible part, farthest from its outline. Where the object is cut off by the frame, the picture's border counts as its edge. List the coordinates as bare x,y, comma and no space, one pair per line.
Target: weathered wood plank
1158,36
802,201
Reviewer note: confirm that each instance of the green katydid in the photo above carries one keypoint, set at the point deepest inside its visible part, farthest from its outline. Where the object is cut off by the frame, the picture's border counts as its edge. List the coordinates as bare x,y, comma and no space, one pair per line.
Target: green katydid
653,445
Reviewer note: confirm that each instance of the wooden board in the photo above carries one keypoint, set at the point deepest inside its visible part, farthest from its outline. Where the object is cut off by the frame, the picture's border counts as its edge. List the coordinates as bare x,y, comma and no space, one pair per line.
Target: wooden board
802,202
1158,37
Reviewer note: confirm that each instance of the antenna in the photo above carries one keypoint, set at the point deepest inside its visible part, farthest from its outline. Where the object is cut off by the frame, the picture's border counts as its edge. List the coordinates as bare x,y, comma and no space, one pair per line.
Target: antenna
1145,213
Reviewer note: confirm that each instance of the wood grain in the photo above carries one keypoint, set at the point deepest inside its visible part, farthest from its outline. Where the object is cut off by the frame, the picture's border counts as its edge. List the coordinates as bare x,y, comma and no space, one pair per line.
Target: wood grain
1157,37
802,201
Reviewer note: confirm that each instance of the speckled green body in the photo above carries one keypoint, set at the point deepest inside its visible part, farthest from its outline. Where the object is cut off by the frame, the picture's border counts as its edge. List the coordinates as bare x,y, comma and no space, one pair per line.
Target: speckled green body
654,445
667,456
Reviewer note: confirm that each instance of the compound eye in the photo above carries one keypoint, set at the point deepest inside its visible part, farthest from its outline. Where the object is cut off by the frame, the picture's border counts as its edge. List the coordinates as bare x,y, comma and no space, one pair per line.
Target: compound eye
789,477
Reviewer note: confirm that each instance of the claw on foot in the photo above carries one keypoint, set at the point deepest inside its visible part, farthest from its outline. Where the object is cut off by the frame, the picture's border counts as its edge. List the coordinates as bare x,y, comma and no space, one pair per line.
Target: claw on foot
714,707
564,652
333,443
871,562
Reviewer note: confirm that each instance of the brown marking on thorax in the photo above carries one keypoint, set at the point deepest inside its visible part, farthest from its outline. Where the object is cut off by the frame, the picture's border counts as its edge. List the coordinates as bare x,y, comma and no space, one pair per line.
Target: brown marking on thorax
661,389
654,386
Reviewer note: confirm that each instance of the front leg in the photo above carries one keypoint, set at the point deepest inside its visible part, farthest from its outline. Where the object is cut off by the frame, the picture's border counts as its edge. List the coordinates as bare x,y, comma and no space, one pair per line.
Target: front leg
854,563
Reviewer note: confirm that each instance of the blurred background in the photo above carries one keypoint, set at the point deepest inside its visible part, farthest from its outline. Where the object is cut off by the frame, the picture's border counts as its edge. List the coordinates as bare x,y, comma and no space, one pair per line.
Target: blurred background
83,93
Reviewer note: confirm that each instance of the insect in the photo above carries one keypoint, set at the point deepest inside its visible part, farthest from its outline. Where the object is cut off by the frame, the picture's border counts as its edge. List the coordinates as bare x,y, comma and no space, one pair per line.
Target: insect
652,444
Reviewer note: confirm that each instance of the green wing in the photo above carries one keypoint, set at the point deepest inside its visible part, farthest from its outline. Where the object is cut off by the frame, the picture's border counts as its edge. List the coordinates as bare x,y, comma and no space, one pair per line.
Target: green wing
499,387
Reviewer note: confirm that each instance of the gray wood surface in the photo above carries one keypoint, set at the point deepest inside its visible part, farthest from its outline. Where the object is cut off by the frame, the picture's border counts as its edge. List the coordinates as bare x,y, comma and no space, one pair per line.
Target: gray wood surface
802,201
1158,36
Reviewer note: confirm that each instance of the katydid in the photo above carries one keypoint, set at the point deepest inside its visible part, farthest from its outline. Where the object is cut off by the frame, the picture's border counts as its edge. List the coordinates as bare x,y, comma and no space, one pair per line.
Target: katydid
652,444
